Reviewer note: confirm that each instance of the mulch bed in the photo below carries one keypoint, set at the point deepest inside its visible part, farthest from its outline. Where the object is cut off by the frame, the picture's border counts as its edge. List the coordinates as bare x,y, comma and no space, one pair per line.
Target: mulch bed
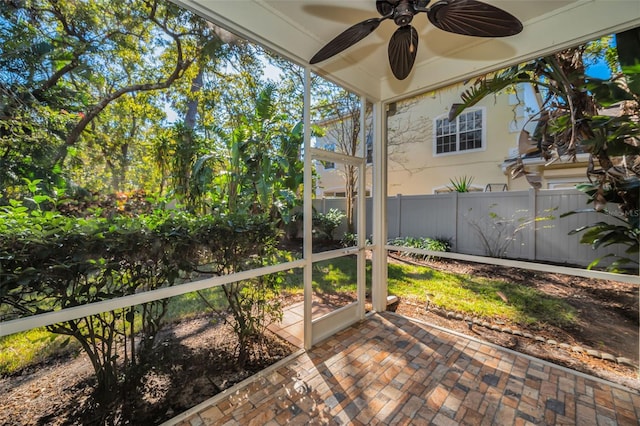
194,360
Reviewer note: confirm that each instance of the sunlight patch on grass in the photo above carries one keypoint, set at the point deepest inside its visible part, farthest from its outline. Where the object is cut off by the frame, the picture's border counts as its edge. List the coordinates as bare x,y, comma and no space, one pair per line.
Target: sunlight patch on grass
190,305
328,276
335,275
478,296
30,347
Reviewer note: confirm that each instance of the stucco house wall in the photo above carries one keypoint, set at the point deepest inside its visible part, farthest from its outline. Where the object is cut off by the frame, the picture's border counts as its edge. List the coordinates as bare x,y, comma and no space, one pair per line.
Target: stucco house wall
415,168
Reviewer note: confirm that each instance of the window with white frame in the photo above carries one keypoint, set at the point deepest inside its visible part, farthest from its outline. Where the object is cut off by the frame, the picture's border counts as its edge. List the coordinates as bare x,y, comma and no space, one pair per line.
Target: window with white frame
466,133
328,165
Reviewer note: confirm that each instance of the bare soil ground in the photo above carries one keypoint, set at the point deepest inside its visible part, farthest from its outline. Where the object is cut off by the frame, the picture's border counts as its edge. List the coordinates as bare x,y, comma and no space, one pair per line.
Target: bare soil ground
195,359
608,320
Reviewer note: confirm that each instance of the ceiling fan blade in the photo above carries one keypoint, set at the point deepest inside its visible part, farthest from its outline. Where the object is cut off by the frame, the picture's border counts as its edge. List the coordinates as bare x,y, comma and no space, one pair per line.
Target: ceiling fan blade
346,39
473,18
403,48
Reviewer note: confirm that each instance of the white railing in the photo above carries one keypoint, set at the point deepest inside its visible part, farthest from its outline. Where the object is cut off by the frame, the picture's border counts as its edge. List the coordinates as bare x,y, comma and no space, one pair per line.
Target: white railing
68,314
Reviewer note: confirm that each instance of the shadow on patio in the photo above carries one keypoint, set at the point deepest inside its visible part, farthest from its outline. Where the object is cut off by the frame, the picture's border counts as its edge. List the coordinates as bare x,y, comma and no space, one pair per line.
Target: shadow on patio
392,369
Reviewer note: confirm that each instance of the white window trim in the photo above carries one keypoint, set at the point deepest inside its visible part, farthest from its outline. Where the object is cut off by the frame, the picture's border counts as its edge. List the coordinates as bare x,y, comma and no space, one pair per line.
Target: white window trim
466,151
556,183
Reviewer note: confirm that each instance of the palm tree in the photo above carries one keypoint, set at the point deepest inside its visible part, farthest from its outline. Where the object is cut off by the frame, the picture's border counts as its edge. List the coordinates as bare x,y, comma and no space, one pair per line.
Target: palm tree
570,121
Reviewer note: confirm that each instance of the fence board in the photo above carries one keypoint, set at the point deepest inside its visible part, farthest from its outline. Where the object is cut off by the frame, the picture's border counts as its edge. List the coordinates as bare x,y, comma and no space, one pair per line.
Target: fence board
494,217
458,216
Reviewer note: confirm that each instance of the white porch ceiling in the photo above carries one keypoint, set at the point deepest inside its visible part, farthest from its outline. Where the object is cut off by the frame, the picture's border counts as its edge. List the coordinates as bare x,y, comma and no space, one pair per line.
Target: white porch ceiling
298,28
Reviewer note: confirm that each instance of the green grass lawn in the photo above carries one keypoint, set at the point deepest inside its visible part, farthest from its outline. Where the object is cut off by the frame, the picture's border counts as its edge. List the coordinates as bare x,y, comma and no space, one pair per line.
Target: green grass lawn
477,296
30,347
462,293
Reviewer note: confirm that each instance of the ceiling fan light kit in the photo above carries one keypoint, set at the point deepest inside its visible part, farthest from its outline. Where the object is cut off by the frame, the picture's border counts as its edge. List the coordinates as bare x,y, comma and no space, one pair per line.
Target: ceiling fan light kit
466,17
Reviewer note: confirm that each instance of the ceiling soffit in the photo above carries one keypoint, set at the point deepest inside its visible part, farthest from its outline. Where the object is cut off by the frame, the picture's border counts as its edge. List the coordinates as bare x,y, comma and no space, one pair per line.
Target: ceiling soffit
296,29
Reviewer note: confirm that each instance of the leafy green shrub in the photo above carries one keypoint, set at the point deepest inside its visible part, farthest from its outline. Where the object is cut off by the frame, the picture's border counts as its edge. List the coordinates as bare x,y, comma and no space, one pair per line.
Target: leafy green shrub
50,262
433,244
253,305
235,244
624,231
350,240
324,224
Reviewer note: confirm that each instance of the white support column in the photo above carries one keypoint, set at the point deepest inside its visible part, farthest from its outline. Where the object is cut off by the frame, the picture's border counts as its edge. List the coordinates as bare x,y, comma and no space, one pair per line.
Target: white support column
307,214
379,272
362,211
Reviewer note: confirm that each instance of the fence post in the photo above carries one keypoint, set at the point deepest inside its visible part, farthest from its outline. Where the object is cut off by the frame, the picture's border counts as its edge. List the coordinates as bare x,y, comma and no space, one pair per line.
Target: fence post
455,220
533,194
399,200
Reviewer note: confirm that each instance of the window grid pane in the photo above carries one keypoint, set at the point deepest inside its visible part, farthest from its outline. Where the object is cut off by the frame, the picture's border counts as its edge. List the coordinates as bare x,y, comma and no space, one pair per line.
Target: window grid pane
465,133
445,136
471,140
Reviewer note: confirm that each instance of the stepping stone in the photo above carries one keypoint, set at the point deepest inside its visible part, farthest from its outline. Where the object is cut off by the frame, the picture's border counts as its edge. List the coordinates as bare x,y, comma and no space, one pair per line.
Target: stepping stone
594,353
626,361
609,357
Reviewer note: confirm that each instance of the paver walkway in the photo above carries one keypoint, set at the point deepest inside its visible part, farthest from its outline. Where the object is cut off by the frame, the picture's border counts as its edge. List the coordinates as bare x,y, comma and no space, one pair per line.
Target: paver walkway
391,369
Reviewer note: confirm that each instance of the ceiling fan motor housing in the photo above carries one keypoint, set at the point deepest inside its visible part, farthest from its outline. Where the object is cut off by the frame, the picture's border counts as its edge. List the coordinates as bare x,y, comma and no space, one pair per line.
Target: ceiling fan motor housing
403,13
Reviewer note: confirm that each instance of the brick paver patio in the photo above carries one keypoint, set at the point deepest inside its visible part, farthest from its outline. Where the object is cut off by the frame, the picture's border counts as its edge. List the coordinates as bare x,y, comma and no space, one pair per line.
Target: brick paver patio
391,369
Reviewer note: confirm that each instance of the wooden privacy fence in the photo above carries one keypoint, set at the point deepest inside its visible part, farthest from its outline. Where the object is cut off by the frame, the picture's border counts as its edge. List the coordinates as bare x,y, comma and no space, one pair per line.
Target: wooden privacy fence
514,224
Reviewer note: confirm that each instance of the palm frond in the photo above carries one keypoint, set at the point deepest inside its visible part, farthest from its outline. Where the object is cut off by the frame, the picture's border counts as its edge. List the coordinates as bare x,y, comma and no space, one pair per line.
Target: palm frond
488,85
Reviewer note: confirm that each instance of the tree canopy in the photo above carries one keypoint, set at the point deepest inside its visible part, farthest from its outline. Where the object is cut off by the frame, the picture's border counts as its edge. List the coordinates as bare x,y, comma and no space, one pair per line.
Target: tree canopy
134,95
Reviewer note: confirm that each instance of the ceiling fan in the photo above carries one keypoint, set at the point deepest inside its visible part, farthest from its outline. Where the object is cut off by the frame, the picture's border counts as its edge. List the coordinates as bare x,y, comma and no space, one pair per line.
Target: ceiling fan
467,17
